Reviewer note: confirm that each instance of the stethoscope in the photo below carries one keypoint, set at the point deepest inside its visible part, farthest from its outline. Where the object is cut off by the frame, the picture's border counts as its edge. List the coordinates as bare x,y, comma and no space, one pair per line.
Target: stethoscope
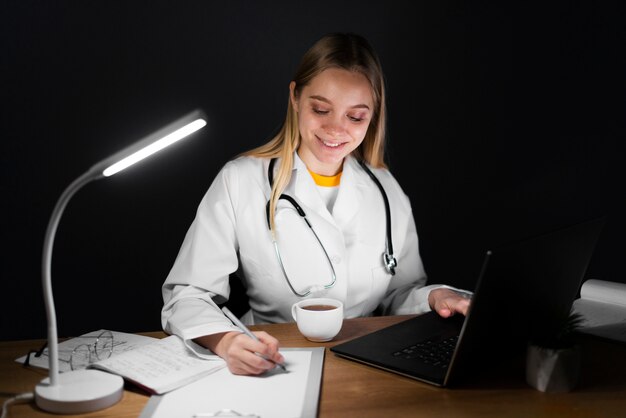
389,261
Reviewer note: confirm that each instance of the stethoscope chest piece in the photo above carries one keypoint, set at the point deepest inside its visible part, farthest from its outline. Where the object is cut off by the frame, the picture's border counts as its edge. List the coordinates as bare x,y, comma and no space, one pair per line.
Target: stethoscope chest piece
390,263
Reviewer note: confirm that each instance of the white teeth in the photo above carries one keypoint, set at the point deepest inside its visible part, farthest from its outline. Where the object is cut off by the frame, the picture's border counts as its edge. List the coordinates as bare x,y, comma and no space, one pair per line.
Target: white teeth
330,144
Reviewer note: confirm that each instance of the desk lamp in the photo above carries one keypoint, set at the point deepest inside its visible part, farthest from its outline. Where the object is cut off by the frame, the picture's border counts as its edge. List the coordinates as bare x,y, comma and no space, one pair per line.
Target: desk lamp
87,390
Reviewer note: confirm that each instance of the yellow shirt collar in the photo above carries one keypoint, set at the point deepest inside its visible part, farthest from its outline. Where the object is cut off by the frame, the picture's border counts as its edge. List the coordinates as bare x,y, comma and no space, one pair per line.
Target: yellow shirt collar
326,181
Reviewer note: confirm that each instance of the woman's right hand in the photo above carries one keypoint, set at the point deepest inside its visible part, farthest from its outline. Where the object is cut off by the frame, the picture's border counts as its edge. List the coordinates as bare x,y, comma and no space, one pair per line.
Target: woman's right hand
239,351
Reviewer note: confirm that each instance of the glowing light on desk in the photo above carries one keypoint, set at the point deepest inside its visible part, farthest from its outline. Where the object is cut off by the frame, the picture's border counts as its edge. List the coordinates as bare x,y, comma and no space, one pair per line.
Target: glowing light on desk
87,390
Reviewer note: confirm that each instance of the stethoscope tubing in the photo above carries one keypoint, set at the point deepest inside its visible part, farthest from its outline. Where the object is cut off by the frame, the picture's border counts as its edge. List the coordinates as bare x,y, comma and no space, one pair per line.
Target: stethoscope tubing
388,257
389,260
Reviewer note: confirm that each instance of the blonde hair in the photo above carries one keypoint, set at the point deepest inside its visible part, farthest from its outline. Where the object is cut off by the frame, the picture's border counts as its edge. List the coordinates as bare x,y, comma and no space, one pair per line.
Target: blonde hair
337,50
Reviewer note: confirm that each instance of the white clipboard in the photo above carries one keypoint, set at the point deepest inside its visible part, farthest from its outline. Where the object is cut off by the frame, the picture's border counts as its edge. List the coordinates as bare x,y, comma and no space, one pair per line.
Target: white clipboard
275,394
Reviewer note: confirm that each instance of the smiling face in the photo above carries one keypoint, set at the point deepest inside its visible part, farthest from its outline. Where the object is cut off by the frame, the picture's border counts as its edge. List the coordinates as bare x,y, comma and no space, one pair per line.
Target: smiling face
334,111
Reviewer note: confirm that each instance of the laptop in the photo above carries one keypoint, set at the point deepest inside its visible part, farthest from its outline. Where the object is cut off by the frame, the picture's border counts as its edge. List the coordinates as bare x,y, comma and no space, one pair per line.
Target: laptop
524,290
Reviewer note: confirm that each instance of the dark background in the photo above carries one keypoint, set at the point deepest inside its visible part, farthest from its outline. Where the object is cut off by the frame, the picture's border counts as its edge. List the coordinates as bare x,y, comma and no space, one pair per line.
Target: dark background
504,121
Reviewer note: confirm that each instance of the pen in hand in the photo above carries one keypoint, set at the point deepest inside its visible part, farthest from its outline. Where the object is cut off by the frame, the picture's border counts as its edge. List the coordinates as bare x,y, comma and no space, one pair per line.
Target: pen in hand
249,333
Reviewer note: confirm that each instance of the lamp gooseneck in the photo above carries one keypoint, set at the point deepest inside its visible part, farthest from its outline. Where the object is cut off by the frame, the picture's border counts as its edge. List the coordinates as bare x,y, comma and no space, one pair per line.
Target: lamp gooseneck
81,390
53,346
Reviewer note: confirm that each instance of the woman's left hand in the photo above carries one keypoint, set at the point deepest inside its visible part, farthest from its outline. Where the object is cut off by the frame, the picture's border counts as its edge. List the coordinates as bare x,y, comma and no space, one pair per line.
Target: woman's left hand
447,302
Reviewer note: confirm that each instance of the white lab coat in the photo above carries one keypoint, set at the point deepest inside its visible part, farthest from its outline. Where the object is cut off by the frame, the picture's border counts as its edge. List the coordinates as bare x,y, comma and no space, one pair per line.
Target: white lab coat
230,233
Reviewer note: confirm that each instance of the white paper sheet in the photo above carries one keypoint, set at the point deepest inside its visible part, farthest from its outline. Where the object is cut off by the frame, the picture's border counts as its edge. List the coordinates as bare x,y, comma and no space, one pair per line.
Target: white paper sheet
603,307
273,395
604,291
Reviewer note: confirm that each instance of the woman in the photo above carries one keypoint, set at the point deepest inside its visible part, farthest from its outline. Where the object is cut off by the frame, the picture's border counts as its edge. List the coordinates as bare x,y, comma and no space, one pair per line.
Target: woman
248,221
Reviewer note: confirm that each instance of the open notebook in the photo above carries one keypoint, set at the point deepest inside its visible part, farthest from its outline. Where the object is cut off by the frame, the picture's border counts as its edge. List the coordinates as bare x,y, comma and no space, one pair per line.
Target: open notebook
524,289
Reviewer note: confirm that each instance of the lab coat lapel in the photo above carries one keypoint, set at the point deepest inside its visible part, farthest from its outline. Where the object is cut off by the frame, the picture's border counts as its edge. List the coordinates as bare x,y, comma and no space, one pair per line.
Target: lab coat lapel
306,192
331,232
350,192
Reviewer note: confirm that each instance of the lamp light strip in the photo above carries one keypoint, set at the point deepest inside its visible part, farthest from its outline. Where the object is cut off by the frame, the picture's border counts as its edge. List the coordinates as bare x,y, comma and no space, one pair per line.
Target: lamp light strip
154,147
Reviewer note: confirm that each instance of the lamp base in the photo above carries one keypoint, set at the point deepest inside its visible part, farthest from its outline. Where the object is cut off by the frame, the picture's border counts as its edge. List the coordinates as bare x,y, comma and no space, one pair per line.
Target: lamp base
79,391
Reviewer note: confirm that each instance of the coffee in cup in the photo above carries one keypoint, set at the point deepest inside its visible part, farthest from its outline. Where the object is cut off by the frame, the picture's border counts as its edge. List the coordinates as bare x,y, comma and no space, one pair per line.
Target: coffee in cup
318,319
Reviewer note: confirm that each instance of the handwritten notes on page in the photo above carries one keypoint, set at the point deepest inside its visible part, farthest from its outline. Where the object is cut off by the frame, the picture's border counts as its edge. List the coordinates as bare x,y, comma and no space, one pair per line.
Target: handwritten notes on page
160,366
122,342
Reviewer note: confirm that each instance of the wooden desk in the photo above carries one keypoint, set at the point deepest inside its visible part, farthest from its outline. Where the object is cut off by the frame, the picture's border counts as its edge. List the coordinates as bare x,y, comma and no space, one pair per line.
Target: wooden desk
351,389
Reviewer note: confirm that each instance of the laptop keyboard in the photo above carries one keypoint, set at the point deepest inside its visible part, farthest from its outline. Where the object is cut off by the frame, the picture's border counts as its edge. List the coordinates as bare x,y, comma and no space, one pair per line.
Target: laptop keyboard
431,351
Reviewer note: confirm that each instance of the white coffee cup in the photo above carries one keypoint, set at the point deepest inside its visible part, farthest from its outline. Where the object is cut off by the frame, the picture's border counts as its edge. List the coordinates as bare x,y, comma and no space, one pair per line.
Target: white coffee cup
318,319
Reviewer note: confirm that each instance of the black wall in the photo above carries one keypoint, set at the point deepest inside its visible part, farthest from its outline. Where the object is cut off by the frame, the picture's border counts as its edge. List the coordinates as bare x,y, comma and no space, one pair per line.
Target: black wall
503,122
